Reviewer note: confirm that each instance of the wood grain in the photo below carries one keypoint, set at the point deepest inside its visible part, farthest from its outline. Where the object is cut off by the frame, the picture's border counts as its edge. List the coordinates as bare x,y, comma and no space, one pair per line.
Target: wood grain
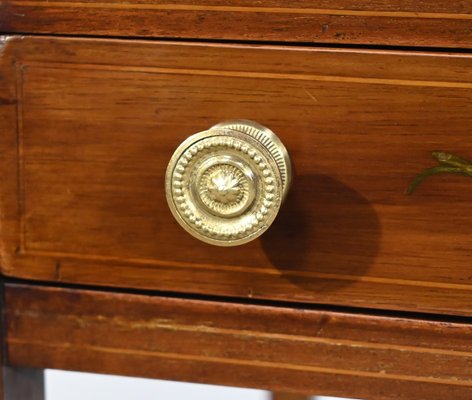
437,23
282,349
288,396
89,126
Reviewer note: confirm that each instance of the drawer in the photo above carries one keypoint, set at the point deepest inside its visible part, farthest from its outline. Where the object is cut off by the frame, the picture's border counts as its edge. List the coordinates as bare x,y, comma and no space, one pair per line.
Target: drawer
437,23
89,127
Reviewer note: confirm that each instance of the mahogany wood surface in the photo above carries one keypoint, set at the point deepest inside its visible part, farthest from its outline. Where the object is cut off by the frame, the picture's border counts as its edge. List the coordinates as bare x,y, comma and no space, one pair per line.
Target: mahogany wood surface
282,349
289,396
439,23
88,127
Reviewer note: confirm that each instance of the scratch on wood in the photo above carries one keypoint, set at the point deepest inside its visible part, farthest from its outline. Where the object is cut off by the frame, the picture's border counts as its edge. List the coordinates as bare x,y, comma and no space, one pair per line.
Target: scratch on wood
310,95
57,274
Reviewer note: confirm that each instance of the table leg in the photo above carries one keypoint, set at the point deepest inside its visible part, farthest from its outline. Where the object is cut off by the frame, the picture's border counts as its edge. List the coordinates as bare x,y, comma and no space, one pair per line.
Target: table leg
23,384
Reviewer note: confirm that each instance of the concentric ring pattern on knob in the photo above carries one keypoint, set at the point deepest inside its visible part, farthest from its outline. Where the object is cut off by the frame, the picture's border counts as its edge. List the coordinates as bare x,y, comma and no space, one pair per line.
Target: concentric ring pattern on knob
225,185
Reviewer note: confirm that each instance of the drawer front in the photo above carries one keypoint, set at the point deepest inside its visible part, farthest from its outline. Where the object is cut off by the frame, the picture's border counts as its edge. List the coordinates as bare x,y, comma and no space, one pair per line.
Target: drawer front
90,125
439,23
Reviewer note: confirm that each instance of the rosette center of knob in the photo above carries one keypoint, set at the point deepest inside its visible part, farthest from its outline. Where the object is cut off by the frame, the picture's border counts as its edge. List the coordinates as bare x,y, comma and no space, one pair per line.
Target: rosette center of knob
225,186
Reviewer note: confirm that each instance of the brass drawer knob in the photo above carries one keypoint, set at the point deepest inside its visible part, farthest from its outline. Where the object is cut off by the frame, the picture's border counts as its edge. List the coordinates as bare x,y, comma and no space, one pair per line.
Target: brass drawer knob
225,185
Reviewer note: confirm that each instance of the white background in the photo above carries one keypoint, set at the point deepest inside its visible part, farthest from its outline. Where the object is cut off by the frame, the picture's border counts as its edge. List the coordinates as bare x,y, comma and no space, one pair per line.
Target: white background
62,385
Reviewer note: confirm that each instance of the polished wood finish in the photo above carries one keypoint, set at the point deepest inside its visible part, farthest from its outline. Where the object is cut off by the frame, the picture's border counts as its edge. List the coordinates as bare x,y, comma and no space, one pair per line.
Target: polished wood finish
89,126
439,23
289,396
282,349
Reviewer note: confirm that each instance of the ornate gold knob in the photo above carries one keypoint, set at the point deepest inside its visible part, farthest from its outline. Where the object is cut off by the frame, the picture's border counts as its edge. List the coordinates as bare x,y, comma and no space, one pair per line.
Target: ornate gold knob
225,185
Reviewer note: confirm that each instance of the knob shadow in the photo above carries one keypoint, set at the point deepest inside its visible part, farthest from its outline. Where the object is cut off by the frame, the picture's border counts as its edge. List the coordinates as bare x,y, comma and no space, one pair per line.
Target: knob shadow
325,236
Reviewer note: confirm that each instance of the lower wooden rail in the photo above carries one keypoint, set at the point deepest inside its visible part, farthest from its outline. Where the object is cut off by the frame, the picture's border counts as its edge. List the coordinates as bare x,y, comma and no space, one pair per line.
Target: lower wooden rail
278,349
288,396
